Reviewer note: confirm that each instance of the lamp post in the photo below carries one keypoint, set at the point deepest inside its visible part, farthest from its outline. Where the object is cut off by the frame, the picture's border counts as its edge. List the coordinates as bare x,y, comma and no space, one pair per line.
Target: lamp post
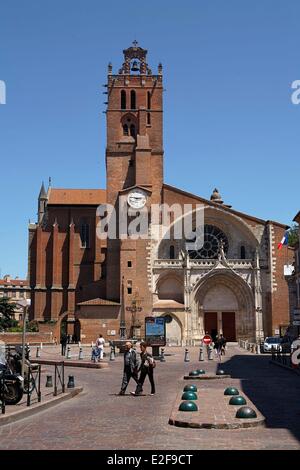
122,319
25,304
134,308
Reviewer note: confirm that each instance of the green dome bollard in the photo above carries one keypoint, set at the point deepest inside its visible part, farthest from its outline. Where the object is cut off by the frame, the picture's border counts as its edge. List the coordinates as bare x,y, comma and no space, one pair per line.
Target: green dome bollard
237,400
201,371
189,396
193,373
220,372
231,391
246,413
190,388
188,406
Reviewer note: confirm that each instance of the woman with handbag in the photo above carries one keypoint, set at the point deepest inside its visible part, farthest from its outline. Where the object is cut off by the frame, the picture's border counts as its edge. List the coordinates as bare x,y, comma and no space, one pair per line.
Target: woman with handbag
146,368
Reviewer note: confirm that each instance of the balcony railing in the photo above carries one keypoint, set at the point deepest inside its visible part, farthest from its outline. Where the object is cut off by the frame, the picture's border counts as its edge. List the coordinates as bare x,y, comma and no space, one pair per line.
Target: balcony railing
202,263
167,263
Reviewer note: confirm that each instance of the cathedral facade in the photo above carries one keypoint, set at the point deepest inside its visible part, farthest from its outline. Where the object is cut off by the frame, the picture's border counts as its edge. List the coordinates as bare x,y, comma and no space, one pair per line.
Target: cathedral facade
86,283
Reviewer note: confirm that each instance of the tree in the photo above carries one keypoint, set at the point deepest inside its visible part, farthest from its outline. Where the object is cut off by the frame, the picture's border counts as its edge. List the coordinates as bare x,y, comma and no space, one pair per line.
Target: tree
294,235
7,310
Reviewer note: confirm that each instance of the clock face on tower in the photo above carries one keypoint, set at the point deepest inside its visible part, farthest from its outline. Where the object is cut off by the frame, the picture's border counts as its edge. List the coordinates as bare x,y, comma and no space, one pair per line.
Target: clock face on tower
137,199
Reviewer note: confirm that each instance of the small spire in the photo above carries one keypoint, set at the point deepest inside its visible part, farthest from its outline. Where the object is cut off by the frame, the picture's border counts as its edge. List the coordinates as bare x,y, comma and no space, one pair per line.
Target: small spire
43,194
49,182
216,196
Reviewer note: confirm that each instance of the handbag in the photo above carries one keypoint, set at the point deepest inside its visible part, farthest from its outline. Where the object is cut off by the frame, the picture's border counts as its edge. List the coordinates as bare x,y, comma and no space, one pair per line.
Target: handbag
152,362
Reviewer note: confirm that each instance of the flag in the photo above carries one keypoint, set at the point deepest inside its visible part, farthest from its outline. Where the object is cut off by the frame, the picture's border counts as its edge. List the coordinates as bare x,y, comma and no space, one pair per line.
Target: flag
284,241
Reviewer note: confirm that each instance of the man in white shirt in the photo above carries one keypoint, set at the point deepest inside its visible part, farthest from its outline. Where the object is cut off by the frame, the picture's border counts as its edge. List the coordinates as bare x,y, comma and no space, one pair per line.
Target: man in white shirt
100,342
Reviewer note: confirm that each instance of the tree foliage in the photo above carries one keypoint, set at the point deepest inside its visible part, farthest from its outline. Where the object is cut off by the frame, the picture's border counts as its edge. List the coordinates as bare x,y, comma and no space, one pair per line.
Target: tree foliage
294,235
7,309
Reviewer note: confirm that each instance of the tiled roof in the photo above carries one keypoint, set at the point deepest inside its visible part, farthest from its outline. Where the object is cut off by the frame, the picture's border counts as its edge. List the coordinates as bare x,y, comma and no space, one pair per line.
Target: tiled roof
77,196
166,303
98,302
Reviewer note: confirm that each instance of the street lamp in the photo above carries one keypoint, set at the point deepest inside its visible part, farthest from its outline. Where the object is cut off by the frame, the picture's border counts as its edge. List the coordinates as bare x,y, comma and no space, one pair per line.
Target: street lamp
134,308
122,319
25,303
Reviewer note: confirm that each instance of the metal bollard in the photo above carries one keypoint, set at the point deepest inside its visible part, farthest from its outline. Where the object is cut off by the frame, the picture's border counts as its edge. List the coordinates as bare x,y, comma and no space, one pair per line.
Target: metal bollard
71,382
162,355
68,352
38,352
49,382
112,354
80,353
210,352
201,354
186,355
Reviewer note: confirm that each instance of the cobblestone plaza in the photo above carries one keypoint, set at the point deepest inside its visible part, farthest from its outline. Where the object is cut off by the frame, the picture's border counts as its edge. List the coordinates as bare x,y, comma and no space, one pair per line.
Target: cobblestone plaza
99,419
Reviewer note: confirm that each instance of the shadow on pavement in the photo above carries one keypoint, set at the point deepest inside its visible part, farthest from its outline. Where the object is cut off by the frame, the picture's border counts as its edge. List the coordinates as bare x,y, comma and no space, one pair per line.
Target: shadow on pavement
274,391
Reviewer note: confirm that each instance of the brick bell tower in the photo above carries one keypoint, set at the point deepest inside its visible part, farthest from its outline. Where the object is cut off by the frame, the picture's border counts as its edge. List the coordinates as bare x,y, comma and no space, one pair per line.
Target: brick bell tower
134,169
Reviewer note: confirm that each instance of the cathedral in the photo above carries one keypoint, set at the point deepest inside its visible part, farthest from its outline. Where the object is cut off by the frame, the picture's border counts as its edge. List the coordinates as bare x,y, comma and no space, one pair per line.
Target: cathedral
84,284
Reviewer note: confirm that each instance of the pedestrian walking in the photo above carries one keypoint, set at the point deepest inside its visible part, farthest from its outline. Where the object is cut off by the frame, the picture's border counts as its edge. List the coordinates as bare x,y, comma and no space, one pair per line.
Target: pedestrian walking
218,347
63,342
223,342
131,367
215,344
147,366
100,342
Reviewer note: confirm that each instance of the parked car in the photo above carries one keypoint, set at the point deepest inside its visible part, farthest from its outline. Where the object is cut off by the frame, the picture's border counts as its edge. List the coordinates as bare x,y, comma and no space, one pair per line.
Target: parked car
271,342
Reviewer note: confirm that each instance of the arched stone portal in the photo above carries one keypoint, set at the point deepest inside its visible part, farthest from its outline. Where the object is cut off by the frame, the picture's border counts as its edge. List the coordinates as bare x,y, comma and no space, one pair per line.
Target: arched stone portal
225,304
70,327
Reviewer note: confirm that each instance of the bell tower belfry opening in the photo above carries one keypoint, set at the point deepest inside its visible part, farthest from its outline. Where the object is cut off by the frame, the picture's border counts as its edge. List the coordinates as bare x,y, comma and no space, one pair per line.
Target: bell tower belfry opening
134,151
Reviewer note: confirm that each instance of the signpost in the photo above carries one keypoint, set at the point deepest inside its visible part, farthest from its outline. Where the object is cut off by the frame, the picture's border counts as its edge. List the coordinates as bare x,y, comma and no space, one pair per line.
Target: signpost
207,339
155,333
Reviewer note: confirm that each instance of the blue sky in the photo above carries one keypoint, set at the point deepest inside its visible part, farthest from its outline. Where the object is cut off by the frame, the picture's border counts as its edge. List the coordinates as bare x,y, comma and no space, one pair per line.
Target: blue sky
229,121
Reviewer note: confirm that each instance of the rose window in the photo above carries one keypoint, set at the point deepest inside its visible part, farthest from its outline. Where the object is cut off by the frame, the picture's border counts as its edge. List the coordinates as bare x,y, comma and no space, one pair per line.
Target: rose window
213,237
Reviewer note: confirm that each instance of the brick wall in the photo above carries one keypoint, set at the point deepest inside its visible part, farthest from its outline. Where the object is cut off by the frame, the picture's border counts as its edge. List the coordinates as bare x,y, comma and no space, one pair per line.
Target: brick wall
31,338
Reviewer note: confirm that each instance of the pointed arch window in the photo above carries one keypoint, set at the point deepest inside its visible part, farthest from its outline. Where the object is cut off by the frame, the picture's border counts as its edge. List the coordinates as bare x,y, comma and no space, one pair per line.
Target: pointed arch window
172,252
132,99
148,100
125,129
243,252
85,235
123,99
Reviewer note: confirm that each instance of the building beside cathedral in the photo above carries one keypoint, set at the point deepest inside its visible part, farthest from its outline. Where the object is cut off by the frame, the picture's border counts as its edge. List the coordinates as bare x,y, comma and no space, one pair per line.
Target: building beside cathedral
87,284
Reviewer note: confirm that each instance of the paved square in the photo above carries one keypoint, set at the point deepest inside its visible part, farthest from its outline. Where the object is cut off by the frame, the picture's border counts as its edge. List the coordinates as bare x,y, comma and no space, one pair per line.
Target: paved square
98,419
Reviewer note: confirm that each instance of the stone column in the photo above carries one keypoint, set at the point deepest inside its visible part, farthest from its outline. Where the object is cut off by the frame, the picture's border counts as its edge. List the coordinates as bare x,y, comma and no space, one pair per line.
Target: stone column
219,323
259,332
201,320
